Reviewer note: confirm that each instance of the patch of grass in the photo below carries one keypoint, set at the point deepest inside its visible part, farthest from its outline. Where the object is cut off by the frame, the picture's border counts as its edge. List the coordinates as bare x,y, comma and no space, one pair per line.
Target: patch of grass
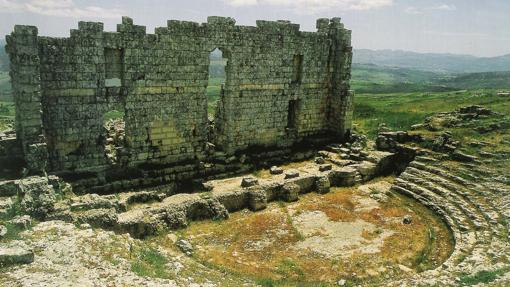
289,269
6,114
481,277
13,232
213,94
266,282
150,263
113,115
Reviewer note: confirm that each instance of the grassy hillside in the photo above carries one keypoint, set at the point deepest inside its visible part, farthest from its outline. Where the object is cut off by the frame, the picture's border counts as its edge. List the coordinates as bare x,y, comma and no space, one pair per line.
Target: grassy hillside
432,62
368,78
402,110
490,80
5,87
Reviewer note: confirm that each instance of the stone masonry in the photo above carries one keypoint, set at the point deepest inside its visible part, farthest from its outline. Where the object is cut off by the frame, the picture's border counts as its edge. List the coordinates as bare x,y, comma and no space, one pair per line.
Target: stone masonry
284,88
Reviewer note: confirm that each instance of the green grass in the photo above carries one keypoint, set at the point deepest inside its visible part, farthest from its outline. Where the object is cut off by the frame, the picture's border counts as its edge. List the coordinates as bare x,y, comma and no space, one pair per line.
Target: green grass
213,94
5,87
400,111
374,79
481,277
113,115
6,114
150,263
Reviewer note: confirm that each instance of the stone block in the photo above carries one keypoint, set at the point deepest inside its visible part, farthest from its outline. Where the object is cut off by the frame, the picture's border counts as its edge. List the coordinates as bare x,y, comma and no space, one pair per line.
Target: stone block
322,184
345,176
325,167
290,192
13,255
275,170
291,174
257,199
249,181
9,188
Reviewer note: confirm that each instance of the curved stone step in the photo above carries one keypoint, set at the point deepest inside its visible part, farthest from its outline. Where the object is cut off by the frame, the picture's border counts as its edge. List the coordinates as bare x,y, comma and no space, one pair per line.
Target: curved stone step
473,195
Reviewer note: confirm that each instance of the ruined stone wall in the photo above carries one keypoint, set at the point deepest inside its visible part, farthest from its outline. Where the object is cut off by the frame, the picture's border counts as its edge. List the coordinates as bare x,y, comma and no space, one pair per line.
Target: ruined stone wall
284,87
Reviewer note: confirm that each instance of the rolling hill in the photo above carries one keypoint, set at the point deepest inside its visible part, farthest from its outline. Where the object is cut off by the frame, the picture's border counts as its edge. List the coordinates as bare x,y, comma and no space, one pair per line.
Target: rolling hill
381,79
443,63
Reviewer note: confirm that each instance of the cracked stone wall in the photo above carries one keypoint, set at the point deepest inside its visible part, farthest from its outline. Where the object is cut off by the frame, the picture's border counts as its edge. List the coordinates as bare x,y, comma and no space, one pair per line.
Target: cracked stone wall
64,86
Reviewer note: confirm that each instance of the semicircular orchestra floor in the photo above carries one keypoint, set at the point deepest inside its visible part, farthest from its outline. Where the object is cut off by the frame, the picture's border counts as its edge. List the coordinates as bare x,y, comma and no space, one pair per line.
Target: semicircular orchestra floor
360,234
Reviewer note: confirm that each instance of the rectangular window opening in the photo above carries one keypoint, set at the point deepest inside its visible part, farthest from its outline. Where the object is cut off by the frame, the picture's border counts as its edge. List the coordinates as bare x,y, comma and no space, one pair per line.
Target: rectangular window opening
297,72
292,114
114,67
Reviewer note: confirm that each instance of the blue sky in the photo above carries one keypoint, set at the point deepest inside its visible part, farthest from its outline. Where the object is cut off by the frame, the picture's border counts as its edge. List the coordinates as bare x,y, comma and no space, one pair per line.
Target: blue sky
476,27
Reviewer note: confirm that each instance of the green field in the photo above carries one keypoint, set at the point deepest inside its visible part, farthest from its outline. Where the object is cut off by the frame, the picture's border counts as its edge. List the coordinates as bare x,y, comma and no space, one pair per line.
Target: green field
5,87
399,111
6,114
213,94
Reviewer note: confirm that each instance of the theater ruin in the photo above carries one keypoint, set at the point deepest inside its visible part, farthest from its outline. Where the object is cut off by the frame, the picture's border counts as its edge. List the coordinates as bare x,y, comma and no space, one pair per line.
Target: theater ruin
285,90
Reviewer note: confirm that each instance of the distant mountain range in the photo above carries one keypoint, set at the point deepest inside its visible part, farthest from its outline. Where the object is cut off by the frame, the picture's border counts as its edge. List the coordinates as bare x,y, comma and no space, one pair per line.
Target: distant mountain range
439,63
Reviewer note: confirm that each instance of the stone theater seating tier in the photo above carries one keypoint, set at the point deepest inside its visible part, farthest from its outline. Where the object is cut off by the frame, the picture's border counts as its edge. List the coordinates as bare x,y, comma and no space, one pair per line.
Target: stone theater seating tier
285,89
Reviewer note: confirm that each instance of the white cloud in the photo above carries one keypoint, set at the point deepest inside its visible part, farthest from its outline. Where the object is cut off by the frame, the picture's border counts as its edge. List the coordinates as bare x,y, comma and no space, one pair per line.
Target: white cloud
445,7
413,11
59,8
417,11
313,6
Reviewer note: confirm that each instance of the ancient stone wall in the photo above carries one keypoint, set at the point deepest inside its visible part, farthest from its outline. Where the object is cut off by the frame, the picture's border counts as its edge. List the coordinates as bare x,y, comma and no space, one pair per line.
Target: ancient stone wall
284,87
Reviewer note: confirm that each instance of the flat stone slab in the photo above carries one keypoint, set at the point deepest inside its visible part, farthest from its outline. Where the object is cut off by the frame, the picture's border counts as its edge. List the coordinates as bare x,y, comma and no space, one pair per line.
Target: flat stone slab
291,174
15,255
276,170
249,181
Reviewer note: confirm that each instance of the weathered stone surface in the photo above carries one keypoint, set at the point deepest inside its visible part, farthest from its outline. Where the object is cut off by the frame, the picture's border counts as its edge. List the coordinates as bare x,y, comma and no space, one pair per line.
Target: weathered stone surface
275,170
160,81
322,184
257,199
15,254
345,176
38,196
139,224
9,188
21,221
249,181
291,174
325,167
94,201
290,192
184,246
460,156
102,217
3,231
366,169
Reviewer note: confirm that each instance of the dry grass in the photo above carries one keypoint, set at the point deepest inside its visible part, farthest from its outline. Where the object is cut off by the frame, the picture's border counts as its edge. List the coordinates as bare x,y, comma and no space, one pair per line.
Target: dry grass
260,245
